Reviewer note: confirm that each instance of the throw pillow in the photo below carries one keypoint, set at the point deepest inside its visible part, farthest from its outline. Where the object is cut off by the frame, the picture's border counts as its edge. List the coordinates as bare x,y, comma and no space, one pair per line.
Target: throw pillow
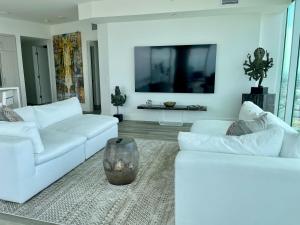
242,127
24,130
290,146
11,115
249,111
263,143
2,116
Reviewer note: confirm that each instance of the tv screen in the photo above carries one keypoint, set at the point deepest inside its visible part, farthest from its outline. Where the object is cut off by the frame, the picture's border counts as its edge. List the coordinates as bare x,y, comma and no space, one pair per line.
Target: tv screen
175,69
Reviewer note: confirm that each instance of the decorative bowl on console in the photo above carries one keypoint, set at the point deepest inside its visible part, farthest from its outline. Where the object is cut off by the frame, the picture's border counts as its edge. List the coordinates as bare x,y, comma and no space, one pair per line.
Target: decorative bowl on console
169,104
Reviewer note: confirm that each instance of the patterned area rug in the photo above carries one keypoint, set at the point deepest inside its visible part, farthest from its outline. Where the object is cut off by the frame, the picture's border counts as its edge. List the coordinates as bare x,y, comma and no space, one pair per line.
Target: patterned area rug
84,196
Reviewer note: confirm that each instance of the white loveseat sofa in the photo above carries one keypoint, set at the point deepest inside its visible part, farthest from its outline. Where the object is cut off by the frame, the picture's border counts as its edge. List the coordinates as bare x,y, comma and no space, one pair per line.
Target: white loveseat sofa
227,189
69,138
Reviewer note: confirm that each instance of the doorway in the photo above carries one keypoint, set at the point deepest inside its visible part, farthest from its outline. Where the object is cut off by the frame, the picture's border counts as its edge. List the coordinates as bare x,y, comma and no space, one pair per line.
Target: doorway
94,77
36,71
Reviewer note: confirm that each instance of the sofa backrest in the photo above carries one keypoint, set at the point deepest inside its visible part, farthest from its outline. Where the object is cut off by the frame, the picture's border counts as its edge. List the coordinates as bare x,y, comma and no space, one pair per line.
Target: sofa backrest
27,113
250,111
47,115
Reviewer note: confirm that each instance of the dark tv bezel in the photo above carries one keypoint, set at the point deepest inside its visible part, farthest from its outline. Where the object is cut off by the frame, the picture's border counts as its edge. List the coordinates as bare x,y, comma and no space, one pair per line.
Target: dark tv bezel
166,92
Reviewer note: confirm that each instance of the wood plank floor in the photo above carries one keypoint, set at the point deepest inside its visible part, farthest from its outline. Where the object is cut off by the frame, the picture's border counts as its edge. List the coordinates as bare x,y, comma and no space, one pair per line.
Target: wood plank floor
134,129
150,130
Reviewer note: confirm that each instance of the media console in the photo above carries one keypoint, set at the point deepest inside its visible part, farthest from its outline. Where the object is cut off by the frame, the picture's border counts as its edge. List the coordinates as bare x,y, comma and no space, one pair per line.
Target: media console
180,108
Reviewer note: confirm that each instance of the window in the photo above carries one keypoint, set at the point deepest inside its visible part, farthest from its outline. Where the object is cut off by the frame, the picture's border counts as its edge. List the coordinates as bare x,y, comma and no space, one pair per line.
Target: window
286,62
289,95
296,108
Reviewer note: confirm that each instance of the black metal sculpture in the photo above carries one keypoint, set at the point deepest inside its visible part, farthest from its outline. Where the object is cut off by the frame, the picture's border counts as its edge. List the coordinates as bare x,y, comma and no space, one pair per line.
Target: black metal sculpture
258,68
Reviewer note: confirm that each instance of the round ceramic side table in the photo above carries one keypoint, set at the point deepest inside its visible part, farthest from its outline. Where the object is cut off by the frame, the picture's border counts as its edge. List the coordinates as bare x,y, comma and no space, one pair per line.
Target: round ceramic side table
121,160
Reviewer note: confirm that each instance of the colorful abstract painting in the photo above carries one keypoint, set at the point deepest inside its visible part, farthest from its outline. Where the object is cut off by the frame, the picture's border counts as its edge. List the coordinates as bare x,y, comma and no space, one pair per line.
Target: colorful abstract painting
68,66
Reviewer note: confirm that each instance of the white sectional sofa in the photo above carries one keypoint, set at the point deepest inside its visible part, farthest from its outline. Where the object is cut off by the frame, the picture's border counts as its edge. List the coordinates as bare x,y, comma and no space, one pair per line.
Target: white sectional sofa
69,138
227,189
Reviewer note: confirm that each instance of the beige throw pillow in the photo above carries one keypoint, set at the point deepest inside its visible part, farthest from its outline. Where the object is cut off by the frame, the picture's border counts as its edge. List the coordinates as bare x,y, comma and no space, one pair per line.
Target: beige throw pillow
2,116
7,114
242,127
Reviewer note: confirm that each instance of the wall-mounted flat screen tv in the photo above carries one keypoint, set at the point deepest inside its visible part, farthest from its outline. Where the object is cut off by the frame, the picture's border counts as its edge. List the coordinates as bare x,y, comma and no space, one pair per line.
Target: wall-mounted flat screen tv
175,69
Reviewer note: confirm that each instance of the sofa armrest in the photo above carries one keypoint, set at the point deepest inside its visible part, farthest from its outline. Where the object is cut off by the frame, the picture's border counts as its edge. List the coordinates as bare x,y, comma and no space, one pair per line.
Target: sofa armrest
224,189
213,127
16,165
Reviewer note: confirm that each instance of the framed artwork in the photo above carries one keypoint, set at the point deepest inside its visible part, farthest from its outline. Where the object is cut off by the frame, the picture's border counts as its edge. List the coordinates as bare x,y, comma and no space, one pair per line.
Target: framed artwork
68,66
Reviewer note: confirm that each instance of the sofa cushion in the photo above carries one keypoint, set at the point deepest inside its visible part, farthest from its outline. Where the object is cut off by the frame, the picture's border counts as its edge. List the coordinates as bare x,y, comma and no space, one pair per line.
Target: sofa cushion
249,111
291,141
24,130
27,114
274,120
56,144
290,146
52,113
88,125
264,143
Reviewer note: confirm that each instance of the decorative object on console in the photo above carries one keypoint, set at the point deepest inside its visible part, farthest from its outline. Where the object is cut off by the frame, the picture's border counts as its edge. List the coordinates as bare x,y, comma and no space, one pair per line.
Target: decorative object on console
149,102
69,66
169,104
117,100
258,68
121,161
194,107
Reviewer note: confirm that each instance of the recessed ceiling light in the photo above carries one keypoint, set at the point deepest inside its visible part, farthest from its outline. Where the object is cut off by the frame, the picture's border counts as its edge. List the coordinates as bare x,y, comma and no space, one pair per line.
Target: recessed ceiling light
4,12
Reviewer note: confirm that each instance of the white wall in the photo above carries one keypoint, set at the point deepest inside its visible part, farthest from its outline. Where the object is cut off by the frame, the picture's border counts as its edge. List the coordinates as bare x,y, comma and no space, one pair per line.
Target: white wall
235,36
20,28
24,28
272,35
108,8
86,35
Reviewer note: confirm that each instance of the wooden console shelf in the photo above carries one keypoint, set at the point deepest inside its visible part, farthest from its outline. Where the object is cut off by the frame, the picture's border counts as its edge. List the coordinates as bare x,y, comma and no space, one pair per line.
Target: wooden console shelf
180,108
176,107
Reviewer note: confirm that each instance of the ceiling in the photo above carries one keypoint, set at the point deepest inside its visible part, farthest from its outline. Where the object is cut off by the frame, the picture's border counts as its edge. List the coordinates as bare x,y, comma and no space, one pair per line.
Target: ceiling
62,11
41,11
